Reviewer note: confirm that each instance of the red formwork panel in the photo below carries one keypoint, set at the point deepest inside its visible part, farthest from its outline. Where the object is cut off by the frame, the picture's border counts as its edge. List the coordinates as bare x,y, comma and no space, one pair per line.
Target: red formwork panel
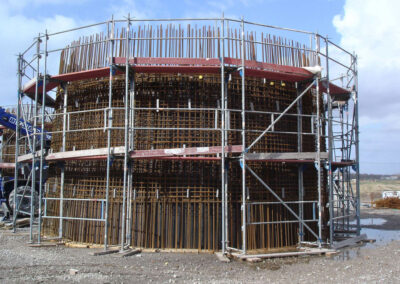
189,66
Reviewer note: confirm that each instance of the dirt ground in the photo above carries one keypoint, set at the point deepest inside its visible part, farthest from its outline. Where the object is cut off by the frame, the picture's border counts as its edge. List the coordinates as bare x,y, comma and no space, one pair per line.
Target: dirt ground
378,262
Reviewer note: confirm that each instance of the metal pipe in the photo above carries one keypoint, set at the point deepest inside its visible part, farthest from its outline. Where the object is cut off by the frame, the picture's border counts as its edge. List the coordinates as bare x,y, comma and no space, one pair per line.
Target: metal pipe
330,147
76,199
273,27
287,202
223,188
343,217
26,50
337,62
33,183
281,222
300,167
357,145
177,128
60,228
79,28
19,102
42,138
243,160
126,139
109,135
318,160
73,218
131,148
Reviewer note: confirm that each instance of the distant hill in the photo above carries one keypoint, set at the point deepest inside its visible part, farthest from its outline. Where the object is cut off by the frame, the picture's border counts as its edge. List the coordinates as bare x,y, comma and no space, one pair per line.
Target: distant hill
378,177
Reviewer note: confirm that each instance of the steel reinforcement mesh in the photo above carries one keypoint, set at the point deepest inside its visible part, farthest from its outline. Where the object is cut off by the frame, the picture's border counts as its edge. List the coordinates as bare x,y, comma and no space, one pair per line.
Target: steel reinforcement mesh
177,204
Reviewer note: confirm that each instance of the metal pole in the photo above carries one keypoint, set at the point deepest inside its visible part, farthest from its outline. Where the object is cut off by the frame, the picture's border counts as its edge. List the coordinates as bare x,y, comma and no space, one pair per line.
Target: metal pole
348,171
19,98
244,220
42,137
131,148
110,117
330,146
357,142
345,169
318,138
300,166
33,184
223,188
60,228
126,136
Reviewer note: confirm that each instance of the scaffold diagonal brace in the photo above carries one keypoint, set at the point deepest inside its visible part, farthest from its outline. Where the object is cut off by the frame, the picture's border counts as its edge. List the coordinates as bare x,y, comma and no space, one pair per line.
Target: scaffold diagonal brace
281,201
280,116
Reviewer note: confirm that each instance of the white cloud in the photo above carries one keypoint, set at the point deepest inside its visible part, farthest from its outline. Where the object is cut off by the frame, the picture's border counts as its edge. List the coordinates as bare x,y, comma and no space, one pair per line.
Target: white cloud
371,29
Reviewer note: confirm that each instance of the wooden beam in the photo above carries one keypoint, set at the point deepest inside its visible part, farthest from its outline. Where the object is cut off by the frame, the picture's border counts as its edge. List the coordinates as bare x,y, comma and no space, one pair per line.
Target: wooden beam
350,241
285,254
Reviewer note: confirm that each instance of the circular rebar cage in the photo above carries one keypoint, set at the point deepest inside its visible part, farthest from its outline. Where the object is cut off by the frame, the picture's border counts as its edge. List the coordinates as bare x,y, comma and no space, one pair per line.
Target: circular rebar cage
186,88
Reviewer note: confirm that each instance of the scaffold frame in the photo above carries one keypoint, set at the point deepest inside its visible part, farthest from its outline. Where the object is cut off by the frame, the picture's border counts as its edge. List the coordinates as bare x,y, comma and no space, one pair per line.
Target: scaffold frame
343,147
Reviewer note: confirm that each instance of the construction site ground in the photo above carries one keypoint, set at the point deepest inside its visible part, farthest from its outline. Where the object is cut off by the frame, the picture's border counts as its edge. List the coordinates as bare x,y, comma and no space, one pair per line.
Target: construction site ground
377,262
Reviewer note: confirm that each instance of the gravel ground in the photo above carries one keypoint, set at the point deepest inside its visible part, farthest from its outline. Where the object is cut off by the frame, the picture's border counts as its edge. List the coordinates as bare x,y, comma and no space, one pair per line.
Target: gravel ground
378,262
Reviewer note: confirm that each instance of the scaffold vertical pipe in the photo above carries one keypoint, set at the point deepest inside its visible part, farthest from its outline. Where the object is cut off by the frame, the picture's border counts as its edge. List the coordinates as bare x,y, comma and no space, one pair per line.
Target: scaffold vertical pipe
126,136
343,181
330,146
60,228
348,185
357,138
243,112
223,187
33,172
109,118
19,98
318,138
131,148
300,166
42,138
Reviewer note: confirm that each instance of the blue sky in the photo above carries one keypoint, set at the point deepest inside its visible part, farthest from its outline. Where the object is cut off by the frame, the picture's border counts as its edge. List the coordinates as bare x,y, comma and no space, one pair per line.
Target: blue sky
369,27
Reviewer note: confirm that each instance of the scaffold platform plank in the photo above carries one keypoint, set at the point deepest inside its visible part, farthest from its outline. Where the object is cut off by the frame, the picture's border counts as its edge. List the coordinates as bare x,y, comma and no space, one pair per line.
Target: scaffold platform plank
173,153
7,165
190,153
